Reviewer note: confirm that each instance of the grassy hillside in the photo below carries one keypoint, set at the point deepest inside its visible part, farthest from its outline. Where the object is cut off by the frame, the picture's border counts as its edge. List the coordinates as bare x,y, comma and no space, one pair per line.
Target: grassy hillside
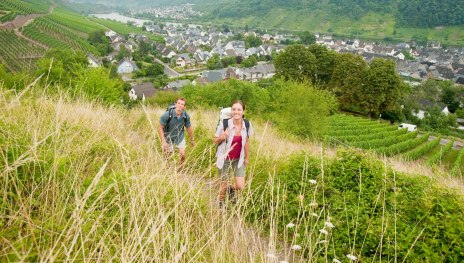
84,182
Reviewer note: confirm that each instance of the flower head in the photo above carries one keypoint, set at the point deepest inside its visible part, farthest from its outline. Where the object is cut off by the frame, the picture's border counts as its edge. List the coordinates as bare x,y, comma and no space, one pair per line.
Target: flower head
290,225
313,181
351,257
336,261
323,231
301,198
322,241
313,204
329,225
314,214
296,247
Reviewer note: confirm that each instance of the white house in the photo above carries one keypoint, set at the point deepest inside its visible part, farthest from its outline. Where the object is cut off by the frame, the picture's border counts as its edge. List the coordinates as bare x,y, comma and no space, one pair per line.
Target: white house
142,91
93,61
126,66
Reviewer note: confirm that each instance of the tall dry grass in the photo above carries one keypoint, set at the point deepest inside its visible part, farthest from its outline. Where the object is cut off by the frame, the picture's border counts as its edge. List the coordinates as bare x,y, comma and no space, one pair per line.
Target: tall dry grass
83,182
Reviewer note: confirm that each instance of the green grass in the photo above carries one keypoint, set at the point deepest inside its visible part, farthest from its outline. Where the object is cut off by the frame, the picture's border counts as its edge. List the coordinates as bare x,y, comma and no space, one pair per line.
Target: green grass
74,21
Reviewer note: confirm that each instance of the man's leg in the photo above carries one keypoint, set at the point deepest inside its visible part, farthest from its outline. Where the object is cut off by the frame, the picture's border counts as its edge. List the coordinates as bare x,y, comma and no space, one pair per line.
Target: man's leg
181,146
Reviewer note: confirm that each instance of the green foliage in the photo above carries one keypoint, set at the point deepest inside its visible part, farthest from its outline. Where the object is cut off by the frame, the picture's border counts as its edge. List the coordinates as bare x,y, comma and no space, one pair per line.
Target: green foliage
456,168
221,94
164,98
429,13
214,62
422,149
436,120
300,108
325,63
249,62
296,63
382,87
60,65
252,41
96,84
438,156
371,207
307,38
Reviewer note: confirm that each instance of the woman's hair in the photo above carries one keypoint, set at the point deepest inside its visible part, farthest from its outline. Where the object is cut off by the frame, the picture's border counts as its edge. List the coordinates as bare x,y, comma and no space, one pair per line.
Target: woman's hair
239,102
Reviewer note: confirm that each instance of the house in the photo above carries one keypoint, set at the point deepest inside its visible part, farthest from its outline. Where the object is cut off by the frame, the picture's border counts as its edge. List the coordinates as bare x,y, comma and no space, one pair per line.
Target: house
178,84
214,75
142,91
127,66
425,104
93,61
258,72
183,60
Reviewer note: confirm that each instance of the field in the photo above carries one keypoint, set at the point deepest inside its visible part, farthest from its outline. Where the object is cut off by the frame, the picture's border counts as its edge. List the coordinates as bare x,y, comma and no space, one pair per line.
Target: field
124,29
17,53
386,140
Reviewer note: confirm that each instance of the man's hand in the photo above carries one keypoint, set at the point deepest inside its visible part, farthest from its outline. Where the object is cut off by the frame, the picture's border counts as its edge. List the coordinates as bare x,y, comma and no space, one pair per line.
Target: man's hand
165,147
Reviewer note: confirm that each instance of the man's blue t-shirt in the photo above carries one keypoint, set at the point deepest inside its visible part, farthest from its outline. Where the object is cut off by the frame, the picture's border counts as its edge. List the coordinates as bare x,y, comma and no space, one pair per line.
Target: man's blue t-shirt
175,132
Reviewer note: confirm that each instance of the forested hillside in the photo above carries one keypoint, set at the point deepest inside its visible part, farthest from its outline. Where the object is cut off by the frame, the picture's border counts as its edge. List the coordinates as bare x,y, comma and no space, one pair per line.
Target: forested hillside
416,13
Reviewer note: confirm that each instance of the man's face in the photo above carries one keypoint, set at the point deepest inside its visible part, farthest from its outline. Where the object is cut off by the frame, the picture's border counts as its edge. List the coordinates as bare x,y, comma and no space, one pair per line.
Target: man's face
180,105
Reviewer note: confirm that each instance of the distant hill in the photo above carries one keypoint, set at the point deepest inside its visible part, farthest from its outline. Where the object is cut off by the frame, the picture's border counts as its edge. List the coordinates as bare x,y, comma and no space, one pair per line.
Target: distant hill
402,20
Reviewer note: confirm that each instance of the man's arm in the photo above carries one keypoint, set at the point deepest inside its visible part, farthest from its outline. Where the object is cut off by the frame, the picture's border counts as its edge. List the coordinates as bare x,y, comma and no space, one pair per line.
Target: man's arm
190,132
163,139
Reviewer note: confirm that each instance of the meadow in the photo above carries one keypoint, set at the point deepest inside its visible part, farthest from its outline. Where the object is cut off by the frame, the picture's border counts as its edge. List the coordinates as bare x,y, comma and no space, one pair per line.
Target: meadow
85,182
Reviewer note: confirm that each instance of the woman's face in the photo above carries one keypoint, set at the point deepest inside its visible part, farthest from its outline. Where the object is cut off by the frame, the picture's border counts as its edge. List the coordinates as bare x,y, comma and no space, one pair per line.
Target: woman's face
237,111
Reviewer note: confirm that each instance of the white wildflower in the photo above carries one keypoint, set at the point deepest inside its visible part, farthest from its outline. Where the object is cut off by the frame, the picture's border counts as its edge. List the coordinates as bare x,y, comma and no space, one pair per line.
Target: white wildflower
323,231
296,247
290,225
336,261
329,225
322,242
314,214
313,181
351,257
313,204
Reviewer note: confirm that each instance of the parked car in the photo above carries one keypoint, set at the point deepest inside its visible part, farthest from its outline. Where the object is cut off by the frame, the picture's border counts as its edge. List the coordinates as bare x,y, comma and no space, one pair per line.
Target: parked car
410,127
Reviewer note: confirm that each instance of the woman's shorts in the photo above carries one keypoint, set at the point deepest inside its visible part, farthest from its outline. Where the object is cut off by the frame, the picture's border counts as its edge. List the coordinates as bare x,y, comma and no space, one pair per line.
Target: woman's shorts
229,166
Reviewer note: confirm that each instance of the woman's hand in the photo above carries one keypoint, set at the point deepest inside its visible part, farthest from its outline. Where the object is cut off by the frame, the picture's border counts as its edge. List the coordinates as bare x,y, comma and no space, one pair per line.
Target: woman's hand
245,162
225,134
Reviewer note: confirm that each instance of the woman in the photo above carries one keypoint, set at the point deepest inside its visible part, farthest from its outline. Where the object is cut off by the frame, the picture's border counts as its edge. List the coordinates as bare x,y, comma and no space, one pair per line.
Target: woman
233,151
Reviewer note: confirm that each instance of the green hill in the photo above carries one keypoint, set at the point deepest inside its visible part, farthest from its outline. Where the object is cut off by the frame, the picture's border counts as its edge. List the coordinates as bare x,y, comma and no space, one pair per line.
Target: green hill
44,25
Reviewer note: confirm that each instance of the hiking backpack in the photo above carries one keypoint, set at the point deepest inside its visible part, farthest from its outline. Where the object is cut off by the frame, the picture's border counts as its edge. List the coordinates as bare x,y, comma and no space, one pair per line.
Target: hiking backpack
172,111
225,114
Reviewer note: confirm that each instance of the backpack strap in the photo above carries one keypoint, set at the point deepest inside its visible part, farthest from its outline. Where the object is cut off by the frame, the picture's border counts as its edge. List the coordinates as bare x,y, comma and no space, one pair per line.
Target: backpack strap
166,128
225,124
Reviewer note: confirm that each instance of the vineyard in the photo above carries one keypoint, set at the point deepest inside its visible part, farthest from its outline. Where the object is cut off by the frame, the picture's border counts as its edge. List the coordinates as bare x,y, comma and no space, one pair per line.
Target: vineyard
54,35
17,53
25,8
386,140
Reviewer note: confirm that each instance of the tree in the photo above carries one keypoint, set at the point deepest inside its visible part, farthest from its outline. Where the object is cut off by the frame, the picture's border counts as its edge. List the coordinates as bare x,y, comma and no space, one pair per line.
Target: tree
300,108
347,79
437,120
382,87
214,62
307,38
296,62
60,65
123,53
249,62
154,70
96,84
144,48
449,97
253,41
325,60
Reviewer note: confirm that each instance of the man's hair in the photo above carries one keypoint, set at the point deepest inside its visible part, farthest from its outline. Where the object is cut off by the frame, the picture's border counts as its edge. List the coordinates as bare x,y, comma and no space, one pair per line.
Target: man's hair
239,102
183,99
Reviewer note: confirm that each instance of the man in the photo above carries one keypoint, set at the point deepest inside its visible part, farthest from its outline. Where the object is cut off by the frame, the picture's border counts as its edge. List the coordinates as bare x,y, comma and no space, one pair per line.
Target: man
171,129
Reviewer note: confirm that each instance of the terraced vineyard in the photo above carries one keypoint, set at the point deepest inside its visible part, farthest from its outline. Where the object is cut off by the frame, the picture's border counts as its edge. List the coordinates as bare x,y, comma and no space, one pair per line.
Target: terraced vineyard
385,139
17,53
24,8
54,35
